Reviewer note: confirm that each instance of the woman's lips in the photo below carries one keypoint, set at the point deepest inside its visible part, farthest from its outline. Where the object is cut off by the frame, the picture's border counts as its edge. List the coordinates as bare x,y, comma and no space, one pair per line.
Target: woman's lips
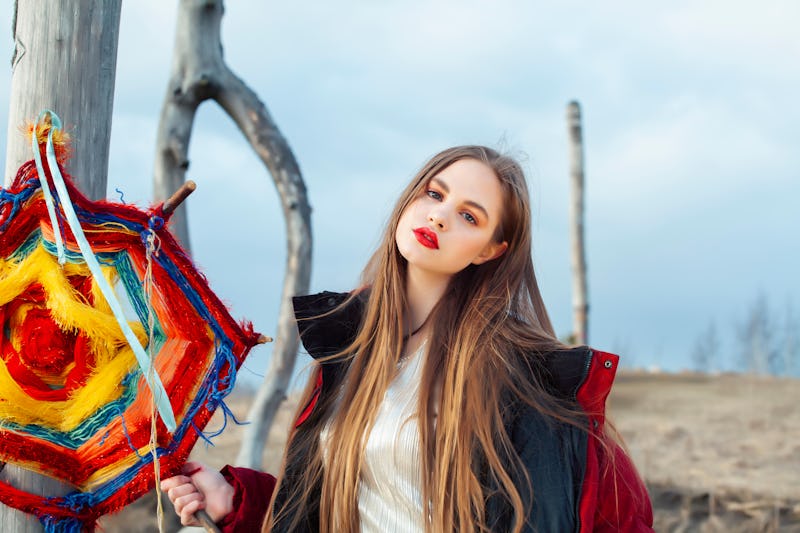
427,238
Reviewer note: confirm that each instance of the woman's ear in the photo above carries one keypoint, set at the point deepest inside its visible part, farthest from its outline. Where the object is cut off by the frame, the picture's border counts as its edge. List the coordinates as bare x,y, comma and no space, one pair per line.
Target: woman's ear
492,251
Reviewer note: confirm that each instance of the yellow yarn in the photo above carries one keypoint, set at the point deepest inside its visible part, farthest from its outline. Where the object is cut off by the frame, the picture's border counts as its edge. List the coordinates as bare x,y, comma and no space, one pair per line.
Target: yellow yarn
112,470
61,139
70,310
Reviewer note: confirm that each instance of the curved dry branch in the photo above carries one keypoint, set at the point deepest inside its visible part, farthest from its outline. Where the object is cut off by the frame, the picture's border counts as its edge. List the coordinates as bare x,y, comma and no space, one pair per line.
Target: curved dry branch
200,73
257,125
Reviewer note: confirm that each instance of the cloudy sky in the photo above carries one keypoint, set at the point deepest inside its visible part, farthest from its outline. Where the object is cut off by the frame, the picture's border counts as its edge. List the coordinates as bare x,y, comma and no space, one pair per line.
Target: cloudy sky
690,124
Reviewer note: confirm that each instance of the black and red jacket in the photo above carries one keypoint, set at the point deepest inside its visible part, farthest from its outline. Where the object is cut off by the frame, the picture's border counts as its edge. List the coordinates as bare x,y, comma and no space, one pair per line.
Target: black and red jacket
577,485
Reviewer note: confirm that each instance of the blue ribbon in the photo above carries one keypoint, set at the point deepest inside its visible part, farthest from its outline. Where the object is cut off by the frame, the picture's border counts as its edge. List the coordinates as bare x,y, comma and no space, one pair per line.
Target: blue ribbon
145,363
43,183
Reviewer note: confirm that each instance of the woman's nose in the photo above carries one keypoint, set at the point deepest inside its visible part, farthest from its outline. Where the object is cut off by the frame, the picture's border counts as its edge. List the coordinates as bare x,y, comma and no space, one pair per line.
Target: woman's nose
437,219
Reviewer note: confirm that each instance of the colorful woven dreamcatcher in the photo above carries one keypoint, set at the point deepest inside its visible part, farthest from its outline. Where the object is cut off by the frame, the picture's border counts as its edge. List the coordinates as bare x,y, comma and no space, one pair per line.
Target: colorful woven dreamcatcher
113,349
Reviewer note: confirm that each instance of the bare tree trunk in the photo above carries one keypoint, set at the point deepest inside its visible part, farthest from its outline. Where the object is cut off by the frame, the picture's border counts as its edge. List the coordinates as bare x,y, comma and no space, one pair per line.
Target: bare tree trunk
580,303
65,59
199,73
758,337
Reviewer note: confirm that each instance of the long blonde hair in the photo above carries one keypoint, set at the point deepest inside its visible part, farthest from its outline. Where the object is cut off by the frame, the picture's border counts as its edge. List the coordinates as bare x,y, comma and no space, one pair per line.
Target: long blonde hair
487,332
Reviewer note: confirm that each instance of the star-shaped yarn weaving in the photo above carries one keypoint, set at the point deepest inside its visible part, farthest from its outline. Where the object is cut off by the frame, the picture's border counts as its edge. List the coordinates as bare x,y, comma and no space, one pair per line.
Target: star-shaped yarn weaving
74,402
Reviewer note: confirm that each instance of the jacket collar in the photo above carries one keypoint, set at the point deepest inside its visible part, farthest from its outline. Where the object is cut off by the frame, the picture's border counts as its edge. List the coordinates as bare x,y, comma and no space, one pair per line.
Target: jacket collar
327,327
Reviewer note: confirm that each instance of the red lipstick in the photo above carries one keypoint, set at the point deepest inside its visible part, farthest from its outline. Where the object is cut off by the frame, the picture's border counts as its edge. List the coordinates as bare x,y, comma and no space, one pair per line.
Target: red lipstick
427,237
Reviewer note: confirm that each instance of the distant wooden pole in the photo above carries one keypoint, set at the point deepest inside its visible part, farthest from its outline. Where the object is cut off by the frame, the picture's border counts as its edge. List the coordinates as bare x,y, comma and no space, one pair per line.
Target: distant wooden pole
580,302
65,58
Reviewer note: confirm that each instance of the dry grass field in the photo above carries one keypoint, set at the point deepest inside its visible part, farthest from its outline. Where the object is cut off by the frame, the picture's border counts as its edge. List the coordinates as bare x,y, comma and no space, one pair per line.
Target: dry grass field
719,453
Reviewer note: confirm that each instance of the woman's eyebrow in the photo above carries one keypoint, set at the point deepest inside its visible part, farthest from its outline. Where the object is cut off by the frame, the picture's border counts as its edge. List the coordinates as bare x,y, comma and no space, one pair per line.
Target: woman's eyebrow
470,203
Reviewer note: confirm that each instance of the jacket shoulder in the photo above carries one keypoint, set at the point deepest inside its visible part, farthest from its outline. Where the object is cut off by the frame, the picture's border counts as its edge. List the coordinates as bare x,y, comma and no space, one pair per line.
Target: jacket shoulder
582,373
328,321
566,370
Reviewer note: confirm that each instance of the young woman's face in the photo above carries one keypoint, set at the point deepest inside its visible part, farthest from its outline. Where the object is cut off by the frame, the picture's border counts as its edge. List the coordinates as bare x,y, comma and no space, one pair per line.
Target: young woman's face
452,223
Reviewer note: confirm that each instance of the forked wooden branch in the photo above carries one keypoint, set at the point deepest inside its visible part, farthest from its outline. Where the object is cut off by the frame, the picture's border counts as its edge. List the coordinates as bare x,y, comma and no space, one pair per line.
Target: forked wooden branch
200,73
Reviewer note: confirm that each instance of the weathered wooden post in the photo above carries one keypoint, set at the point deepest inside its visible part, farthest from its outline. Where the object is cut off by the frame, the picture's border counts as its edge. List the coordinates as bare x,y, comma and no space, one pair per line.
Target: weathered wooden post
580,302
65,58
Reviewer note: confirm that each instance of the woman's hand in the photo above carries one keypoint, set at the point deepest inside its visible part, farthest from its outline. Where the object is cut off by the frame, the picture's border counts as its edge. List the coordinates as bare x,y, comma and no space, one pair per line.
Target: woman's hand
199,487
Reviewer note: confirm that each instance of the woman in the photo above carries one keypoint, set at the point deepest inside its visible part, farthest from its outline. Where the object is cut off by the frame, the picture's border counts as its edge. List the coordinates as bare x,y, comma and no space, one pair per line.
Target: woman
443,399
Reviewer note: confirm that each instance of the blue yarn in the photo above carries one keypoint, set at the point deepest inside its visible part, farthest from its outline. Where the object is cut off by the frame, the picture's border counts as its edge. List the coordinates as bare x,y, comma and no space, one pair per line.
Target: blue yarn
89,427
202,435
155,222
215,395
121,195
105,218
36,238
77,501
31,185
226,411
215,398
197,302
127,436
70,256
62,525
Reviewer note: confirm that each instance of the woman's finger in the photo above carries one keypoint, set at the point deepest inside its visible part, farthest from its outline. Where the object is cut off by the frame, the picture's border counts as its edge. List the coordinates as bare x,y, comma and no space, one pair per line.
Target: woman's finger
191,501
188,511
181,490
172,482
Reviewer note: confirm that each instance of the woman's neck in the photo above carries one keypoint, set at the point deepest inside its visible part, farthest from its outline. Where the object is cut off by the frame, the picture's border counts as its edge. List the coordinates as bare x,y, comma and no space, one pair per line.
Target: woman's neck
423,291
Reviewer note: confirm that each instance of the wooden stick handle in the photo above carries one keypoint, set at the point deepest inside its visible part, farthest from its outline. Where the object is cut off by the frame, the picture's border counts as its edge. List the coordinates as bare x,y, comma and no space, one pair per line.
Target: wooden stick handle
263,339
205,520
177,199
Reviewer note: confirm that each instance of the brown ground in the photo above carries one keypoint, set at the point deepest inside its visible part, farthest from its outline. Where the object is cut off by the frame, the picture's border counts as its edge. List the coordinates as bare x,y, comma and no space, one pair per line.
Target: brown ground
719,453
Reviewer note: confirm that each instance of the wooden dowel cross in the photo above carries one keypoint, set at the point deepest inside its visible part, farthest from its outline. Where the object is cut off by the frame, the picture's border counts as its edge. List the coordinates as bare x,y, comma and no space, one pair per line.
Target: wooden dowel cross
177,199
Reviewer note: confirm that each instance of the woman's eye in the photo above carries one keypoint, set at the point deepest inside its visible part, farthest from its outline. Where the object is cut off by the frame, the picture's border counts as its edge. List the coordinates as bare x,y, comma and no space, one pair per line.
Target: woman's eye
469,218
433,194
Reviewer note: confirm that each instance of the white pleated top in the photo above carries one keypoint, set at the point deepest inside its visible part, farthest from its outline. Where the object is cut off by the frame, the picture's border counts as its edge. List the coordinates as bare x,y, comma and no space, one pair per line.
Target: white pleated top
390,492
